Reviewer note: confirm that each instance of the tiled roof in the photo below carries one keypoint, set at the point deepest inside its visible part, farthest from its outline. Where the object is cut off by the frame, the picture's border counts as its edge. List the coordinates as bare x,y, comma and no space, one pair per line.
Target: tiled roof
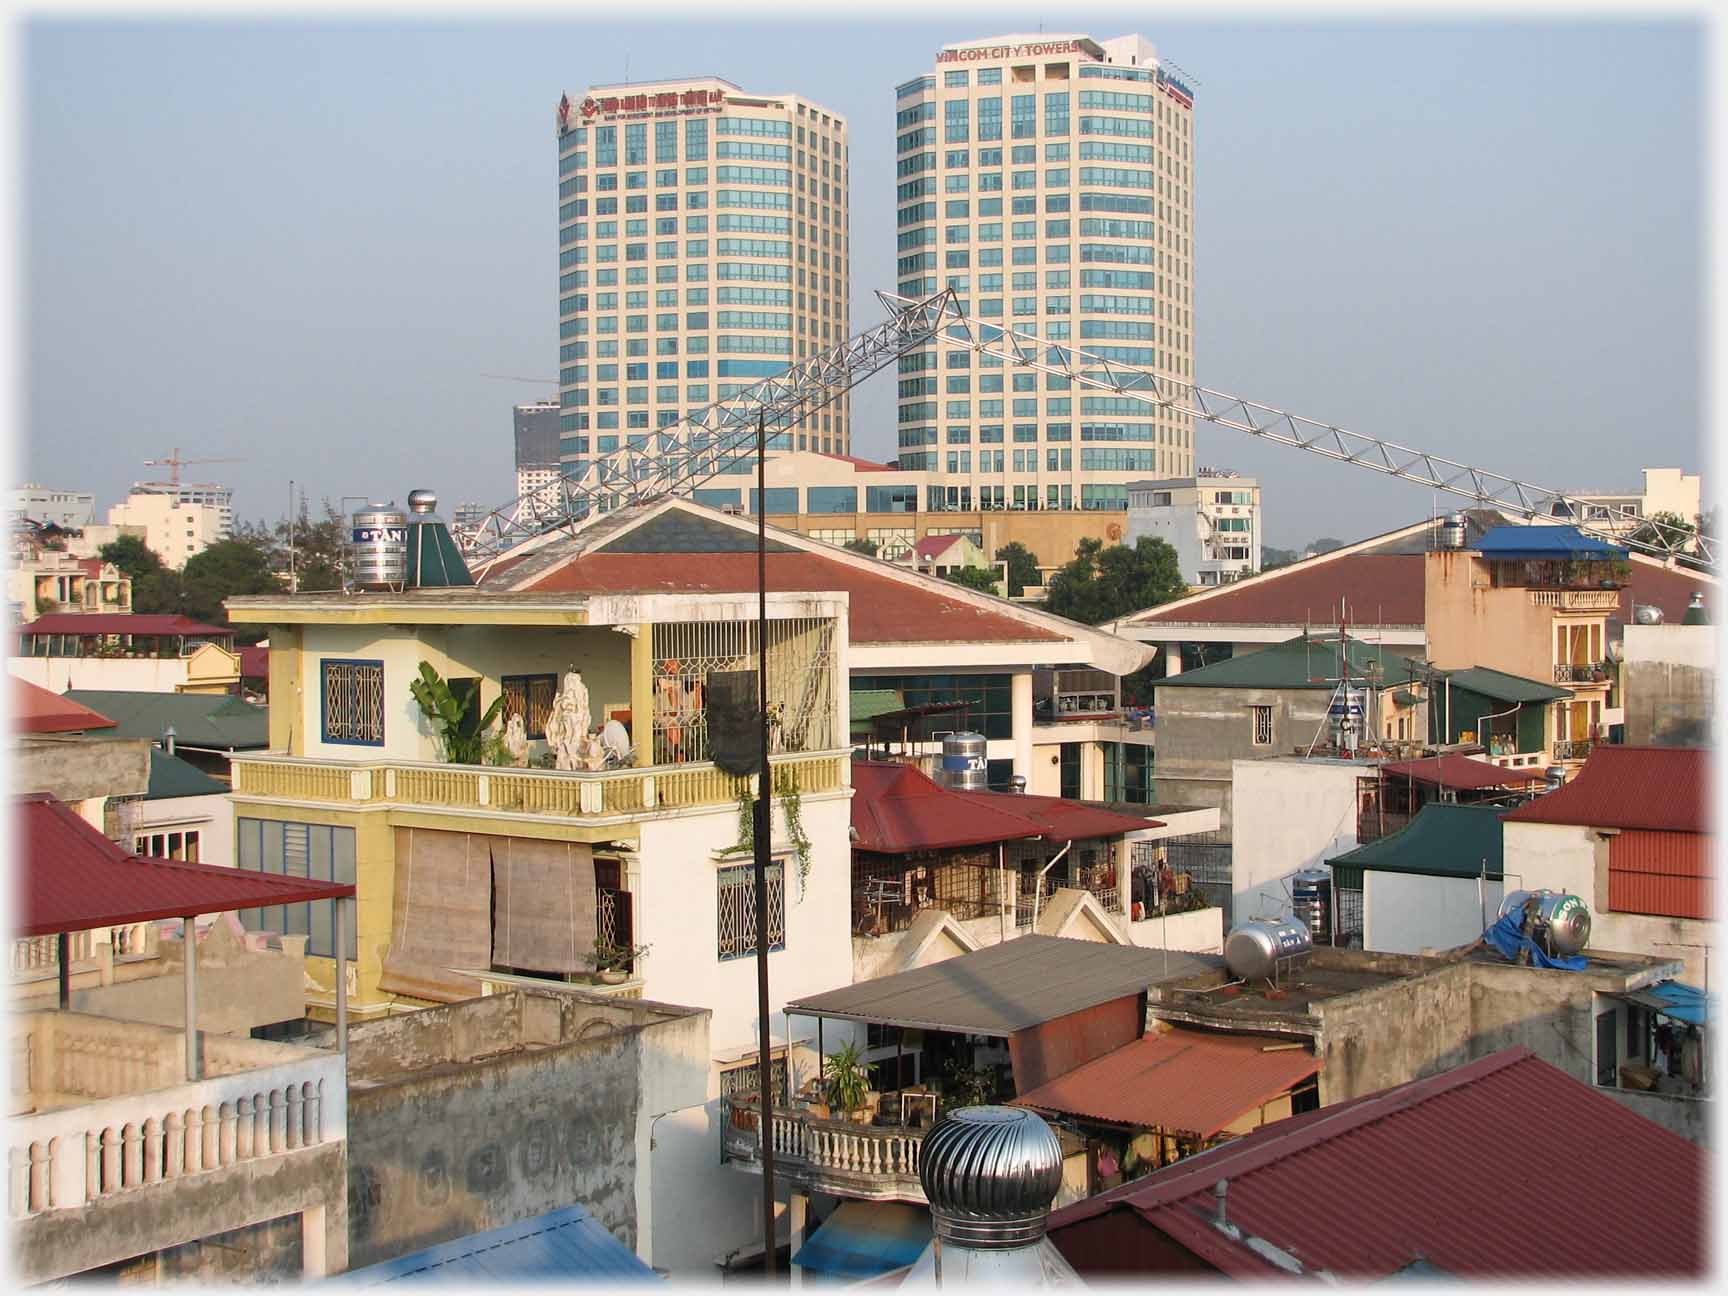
1300,663
1454,770
37,710
1188,1082
568,1246
1507,688
883,609
74,878
214,720
897,809
1441,841
1458,1170
120,623
254,662
1665,789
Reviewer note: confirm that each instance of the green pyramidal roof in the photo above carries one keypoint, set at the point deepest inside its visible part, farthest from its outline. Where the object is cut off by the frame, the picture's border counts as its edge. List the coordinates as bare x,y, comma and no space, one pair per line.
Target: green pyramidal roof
434,562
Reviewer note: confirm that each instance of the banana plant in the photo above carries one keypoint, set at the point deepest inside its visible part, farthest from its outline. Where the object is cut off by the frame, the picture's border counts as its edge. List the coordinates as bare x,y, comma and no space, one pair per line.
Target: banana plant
449,714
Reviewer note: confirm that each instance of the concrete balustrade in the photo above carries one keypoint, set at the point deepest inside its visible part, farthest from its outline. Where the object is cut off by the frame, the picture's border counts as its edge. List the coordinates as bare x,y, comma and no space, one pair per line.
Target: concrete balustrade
870,1161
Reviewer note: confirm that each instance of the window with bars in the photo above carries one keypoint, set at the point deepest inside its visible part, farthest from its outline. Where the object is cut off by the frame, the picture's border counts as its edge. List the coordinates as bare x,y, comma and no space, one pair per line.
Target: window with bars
531,697
353,702
735,909
742,1079
168,845
1262,722
800,683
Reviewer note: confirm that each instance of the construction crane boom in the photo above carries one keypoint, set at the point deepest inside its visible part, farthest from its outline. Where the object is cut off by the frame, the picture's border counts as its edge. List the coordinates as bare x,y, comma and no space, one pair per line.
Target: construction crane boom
1481,486
174,463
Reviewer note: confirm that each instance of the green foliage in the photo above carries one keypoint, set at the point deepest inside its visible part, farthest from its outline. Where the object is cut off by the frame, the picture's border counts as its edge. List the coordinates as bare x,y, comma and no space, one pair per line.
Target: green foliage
155,588
239,565
1100,584
792,810
131,555
845,1082
863,546
464,740
319,548
1272,559
1665,528
1022,567
1325,544
982,579
965,1086
608,957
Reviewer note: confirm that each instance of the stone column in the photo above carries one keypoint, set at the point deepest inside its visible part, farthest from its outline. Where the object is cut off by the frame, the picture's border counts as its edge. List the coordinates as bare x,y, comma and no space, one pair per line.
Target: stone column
642,693
1020,712
797,1217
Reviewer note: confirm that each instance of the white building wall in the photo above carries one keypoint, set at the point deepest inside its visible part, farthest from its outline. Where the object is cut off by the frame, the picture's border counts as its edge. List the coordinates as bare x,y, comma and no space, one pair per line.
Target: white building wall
63,508
174,528
130,674
1289,814
211,817
1406,913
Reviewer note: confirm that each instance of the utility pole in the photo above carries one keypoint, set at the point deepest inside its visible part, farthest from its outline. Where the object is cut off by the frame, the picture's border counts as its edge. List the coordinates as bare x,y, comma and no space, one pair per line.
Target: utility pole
763,828
292,584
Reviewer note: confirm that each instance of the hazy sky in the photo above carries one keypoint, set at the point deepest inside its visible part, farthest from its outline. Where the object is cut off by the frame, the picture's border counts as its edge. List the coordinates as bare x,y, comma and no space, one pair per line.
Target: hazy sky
303,243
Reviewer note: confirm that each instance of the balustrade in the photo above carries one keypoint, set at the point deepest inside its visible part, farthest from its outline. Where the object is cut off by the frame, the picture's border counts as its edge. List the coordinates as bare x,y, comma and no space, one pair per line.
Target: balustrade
839,1150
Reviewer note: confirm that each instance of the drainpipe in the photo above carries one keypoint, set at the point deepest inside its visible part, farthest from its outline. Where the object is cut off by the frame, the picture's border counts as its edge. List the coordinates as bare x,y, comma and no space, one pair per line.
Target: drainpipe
1038,885
1001,891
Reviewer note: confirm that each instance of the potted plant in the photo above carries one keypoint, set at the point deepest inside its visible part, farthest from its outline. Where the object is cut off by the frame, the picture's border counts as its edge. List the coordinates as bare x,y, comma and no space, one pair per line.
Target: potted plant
846,1084
449,714
612,962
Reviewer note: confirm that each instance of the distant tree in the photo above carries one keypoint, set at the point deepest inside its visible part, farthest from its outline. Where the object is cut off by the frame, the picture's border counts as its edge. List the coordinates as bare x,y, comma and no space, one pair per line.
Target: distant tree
1100,584
1272,559
860,545
131,556
1326,544
1022,567
1667,529
318,549
156,588
982,579
242,564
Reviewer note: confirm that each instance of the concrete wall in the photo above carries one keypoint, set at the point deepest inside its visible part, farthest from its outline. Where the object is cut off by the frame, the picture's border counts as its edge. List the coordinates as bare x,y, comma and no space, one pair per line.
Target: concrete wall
131,674
1690,1118
1669,678
75,769
1402,1030
477,1114
1199,931
1407,913
1202,732
1292,814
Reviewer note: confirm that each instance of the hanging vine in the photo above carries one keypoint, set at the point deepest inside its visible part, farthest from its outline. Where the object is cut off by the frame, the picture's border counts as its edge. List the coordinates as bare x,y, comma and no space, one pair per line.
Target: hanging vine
791,810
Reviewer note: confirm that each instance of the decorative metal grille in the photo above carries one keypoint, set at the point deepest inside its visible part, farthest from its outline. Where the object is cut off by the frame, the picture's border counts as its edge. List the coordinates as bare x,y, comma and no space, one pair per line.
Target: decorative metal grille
531,697
735,909
1349,926
742,1079
354,702
615,920
800,682
1206,859
1262,725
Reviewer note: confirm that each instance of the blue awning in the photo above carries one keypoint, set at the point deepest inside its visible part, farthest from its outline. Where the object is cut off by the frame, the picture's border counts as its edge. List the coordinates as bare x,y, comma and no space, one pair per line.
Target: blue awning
567,1245
865,1239
1676,999
1545,542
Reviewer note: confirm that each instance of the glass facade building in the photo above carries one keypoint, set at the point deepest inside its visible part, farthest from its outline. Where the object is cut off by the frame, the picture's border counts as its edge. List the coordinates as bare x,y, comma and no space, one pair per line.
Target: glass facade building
703,239
1049,181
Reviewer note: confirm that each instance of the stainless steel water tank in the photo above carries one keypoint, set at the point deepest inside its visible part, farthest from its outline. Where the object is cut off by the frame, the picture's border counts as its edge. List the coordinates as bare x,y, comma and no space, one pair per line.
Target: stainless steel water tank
1452,531
1254,950
1311,902
964,764
1557,921
379,539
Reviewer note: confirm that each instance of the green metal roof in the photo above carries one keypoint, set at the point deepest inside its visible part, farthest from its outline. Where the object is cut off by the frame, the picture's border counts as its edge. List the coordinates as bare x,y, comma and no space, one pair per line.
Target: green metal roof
1504,687
172,777
867,704
434,561
1299,663
1443,840
215,720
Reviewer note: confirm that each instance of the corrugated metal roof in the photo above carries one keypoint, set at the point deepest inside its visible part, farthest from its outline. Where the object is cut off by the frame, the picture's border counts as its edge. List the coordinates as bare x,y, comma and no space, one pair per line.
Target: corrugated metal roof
1664,874
1454,770
1661,788
121,623
1305,662
172,777
1184,1081
75,879
567,1245
37,710
1007,987
215,720
865,1239
1505,1167
1441,841
1507,688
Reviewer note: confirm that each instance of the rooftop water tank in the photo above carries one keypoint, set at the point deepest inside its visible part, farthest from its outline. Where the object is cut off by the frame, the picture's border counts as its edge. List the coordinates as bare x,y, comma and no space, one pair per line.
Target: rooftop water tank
1255,950
964,765
379,540
1452,531
1558,922
1311,902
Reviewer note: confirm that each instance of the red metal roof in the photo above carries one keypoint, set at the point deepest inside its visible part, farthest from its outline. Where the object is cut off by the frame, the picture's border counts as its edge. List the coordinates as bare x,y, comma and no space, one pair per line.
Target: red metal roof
36,710
1461,1171
1661,788
1453,770
1666,874
254,662
862,465
1185,1081
883,608
934,546
120,623
897,809
74,878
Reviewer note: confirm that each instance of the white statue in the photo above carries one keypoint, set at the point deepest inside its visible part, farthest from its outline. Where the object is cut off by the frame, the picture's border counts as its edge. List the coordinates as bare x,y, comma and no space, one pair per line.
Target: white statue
567,726
591,753
516,741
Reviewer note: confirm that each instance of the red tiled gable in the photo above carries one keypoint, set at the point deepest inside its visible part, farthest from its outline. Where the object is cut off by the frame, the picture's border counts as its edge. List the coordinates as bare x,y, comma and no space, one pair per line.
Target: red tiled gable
74,878
36,710
1455,771
1185,1081
120,623
934,546
254,662
862,465
1665,789
883,609
1451,1171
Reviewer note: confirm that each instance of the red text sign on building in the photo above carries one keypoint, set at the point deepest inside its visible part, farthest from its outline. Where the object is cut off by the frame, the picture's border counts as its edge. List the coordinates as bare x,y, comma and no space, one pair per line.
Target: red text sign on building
659,102
983,53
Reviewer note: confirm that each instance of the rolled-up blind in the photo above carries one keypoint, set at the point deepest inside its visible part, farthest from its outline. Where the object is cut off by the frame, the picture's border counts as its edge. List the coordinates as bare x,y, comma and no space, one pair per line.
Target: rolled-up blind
543,911
440,915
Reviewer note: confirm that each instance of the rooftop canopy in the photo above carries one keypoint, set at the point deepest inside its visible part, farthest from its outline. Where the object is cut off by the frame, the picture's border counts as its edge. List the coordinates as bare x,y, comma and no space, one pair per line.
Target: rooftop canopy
1503,687
1455,770
1005,988
1546,543
1305,662
1441,841
564,1246
122,623
74,879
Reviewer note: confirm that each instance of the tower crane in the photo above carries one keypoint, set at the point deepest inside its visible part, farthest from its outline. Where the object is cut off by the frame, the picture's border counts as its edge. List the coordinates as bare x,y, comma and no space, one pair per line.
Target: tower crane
174,463
714,439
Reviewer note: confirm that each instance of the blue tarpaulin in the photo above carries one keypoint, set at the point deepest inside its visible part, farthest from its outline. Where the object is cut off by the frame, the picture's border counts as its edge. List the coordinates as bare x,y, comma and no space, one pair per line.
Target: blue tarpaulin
1544,543
1507,936
865,1239
1675,999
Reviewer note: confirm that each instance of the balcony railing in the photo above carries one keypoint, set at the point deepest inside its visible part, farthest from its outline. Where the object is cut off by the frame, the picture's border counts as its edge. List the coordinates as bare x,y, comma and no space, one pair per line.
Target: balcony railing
1597,600
1572,749
38,957
563,793
1583,673
878,1162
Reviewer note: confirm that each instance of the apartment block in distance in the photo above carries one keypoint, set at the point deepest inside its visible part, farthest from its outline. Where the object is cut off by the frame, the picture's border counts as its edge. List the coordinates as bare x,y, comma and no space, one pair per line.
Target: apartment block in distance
1211,520
536,429
1048,179
179,519
703,246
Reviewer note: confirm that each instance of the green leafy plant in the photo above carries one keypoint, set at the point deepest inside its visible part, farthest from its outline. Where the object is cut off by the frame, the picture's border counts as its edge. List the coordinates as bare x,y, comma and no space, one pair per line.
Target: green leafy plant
845,1083
966,1086
464,744
792,807
608,957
